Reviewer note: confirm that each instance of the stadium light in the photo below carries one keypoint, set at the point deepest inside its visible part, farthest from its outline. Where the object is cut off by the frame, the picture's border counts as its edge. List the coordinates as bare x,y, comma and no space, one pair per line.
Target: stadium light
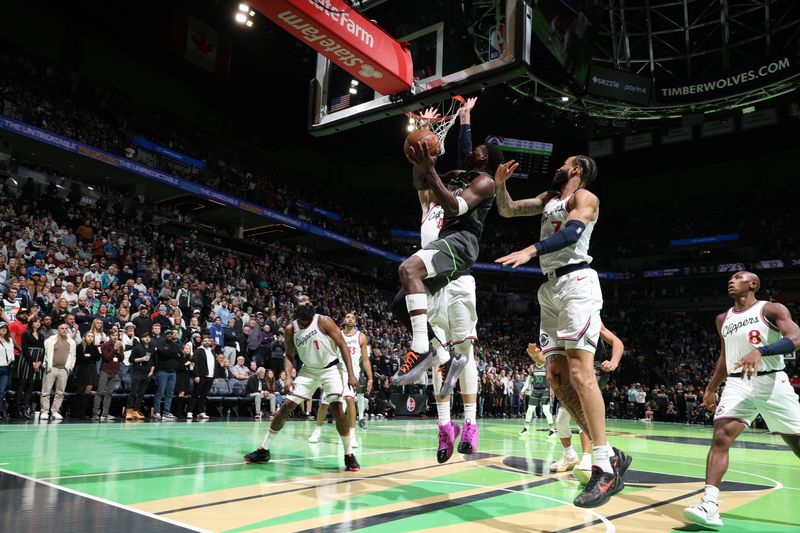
244,8
565,98
249,23
410,127
353,90
241,18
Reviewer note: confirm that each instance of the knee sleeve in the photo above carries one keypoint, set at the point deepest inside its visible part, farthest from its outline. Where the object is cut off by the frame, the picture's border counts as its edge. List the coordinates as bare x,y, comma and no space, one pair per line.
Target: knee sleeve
569,399
562,424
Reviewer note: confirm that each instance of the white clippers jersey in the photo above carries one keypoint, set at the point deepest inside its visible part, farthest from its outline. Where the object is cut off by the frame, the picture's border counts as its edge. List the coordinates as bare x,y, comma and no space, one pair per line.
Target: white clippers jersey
315,348
432,224
553,219
742,331
354,346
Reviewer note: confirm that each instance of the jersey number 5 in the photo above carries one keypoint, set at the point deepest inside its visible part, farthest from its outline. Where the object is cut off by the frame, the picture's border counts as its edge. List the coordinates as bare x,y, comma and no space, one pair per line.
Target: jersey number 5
754,337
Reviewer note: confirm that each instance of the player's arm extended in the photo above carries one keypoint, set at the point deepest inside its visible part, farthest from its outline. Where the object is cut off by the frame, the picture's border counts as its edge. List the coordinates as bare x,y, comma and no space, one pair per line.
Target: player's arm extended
528,207
584,211
329,328
617,349
365,361
288,361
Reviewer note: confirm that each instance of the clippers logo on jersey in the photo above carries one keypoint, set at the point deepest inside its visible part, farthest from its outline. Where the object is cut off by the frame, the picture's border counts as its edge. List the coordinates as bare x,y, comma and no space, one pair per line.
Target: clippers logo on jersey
742,331
433,222
300,340
731,329
544,339
315,348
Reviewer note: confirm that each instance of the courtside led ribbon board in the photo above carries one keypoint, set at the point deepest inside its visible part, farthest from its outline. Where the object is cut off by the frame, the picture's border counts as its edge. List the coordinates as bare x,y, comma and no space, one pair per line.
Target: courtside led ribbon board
350,41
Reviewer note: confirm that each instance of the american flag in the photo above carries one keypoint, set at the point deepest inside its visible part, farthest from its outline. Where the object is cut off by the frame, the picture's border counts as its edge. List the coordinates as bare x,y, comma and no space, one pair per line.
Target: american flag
339,103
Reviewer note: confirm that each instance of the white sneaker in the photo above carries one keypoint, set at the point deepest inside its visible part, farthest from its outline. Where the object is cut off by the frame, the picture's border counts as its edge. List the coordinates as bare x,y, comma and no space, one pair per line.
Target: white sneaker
564,464
203,416
44,416
189,416
57,416
315,436
583,471
157,416
111,417
705,513
354,442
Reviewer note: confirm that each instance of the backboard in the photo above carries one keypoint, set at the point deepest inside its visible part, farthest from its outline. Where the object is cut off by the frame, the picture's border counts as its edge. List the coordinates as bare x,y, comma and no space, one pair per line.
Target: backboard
455,50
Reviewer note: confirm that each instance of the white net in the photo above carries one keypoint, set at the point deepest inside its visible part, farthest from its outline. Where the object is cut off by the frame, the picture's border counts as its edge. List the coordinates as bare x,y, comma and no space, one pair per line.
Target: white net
439,123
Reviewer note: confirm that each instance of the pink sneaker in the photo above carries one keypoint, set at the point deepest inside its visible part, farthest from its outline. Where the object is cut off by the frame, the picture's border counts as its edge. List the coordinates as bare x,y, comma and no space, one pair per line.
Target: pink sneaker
447,437
469,438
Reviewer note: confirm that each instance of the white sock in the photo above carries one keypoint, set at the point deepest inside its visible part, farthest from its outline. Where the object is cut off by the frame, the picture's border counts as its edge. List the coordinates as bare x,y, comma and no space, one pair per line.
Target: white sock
419,323
602,456
587,458
443,409
712,494
569,451
268,439
470,410
346,442
353,433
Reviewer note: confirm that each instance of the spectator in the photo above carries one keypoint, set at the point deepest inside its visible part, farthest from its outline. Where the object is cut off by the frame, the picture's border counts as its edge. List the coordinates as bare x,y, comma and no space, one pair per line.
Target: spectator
204,374
29,364
167,359
6,362
184,380
59,360
111,354
239,371
87,355
140,359
257,389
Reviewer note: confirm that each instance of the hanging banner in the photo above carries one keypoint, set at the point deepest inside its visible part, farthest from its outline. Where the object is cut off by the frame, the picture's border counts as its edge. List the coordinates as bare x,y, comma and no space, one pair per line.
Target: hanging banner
340,33
732,81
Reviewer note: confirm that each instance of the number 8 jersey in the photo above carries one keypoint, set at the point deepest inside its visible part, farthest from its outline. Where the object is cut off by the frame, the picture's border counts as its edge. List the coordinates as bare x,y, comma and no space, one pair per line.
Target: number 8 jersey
744,330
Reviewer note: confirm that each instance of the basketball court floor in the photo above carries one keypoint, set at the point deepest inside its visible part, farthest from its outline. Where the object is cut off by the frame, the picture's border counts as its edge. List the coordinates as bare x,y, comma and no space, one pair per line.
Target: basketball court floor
190,477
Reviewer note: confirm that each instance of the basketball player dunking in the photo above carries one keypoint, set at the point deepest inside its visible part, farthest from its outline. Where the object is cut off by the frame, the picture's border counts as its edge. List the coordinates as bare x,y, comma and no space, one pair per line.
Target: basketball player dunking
359,354
755,336
320,345
453,317
570,302
466,200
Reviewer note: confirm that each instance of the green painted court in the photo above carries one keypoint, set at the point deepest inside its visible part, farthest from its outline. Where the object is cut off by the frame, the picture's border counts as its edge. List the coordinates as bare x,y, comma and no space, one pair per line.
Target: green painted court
190,476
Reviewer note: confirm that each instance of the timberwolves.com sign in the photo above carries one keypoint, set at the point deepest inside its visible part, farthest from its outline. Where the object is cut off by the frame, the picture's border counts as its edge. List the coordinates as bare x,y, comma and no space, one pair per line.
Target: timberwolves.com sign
731,82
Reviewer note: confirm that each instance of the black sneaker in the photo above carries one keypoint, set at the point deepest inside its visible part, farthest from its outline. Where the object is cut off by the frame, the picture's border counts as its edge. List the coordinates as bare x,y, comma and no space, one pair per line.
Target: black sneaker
362,423
451,370
620,462
414,366
599,489
350,463
258,457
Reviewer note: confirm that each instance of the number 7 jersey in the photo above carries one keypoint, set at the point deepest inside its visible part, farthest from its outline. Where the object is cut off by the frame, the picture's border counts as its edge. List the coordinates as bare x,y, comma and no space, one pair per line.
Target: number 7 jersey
742,331
554,217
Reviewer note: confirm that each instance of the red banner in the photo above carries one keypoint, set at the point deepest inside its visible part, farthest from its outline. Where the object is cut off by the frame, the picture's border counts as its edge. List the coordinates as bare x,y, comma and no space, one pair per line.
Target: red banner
337,31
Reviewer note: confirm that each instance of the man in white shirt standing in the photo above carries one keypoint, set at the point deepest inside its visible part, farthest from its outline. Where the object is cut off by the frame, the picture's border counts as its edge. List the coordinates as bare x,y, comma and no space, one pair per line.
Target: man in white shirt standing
59,360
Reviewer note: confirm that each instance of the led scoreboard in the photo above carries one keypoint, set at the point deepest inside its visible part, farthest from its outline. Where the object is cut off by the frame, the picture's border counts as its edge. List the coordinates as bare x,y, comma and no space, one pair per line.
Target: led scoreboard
533,156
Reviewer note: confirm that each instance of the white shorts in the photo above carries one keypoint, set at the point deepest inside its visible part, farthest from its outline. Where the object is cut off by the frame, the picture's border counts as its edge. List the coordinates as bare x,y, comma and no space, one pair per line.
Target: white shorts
770,395
570,308
349,392
309,380
452,311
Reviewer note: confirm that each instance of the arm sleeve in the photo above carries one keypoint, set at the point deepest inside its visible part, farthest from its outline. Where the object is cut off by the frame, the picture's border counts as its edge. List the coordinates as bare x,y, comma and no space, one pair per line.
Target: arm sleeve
782,346
464,142
559,240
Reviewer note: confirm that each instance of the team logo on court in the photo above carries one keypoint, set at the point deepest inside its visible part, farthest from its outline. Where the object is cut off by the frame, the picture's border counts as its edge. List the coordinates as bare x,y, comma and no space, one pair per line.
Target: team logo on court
410,404
544,340
368,71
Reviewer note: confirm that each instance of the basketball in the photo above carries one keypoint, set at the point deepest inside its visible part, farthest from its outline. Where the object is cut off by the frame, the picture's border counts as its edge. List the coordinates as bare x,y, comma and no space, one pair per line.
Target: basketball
425,135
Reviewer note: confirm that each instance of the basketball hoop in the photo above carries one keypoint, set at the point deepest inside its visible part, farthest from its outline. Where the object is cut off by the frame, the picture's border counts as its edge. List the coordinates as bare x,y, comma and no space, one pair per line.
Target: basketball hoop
441,124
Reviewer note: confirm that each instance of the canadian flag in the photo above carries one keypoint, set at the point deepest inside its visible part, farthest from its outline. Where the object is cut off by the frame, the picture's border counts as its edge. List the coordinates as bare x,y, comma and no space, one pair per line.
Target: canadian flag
201,44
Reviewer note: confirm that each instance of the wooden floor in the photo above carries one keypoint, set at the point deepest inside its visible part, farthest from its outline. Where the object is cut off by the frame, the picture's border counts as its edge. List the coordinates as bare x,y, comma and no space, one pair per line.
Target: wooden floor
189,476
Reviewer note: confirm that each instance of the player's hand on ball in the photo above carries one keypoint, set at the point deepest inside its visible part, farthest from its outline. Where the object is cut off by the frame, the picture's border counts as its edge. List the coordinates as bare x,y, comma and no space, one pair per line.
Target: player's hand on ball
421,156
504,171
608,366
710,399
517,258
749,364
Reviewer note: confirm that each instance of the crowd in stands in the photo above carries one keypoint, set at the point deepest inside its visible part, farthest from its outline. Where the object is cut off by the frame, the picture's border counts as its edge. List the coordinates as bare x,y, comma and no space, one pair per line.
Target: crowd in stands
35,92
97,280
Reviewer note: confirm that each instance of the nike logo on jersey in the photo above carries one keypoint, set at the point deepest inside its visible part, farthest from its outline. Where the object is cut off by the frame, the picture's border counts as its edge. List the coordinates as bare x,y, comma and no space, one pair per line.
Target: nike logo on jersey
583,278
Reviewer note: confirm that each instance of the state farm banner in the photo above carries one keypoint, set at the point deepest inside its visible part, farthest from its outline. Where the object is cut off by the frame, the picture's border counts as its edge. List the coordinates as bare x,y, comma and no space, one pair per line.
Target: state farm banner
732,81
350,41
